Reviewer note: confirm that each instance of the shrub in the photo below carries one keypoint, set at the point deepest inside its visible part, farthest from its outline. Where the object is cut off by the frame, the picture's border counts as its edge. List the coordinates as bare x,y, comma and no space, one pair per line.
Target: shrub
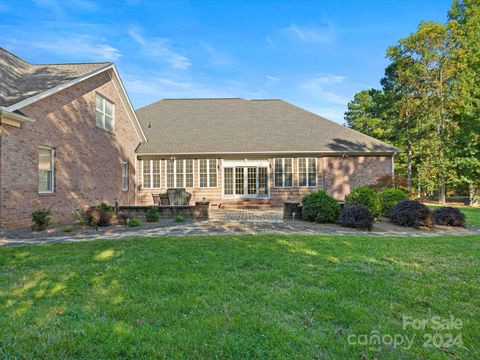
152,214
179,218
134,222
357,216
100,215
123,217
41,219
385,182
67,229
320,207
364,195
411,213
449,216
389,198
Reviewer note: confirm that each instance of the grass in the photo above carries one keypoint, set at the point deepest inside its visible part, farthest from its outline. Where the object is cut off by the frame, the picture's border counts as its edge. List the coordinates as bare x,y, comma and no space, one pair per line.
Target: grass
236,296
472,215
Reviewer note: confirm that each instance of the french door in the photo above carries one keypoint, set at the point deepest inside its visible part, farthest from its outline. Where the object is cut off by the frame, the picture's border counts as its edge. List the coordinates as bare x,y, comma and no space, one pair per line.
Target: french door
245,181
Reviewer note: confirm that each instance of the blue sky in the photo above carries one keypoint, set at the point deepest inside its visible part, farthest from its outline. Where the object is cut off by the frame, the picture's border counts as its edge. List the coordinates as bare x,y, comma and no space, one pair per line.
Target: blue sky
314,54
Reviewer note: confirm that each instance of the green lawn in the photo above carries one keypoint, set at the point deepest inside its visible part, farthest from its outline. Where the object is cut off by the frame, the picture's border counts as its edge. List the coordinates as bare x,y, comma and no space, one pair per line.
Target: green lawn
472,215
236,297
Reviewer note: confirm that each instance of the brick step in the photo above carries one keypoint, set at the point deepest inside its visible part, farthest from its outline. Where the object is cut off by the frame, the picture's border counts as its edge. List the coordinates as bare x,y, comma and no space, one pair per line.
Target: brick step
246,204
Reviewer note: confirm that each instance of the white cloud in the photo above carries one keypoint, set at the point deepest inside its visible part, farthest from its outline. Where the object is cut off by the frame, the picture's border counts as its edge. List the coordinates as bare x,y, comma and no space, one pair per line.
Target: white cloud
272,80
159,48
79,47
324,87
310,35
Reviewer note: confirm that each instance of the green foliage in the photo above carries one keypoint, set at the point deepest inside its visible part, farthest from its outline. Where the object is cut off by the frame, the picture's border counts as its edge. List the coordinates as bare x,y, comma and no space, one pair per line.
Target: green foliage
179,218
389,199
67,229
366,196
123,217
134,222
152,214
41,219
320,207
105,207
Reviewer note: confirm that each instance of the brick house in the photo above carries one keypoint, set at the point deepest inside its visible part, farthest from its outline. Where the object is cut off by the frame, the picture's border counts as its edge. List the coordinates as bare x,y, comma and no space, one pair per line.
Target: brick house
252,151
68,135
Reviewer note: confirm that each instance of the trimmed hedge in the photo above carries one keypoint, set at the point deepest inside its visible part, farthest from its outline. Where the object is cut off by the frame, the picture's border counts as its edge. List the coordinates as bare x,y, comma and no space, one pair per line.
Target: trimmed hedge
358,217
366,196
320,207
449,216
389,199
152,214
412,213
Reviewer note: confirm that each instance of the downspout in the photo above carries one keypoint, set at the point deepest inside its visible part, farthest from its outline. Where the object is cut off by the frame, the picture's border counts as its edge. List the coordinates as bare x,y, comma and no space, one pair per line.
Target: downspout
393,169
135,180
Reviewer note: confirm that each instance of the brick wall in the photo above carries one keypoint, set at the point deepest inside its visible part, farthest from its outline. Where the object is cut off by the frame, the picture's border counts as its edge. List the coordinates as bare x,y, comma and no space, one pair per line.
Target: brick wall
336,175
342,174
88,159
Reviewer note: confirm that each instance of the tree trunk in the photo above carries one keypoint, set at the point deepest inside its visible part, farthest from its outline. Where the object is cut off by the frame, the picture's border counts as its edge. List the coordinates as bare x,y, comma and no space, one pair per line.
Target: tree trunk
474,194
441,193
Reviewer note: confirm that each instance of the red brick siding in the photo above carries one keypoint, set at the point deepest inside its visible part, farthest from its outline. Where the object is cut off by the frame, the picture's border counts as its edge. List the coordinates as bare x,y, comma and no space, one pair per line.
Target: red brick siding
342,174
87,159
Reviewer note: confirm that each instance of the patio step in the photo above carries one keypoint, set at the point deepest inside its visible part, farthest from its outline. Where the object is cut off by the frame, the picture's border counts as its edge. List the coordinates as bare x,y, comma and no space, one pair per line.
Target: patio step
246,204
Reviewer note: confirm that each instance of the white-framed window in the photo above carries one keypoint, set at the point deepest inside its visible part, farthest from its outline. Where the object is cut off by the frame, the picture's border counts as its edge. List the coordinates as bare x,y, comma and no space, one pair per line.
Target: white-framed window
307,172
179,173
104,113
151,172
207,173
125,177
283,170
46,170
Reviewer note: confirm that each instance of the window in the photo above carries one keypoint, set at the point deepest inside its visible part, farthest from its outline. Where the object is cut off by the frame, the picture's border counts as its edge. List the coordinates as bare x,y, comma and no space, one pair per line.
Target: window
307,172
283,172
180,173
151,174
45,170
125,173
104,113
207,173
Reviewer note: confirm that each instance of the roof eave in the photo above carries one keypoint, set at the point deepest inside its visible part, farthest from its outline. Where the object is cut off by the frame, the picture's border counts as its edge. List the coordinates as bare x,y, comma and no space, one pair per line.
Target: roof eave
253,153
13,119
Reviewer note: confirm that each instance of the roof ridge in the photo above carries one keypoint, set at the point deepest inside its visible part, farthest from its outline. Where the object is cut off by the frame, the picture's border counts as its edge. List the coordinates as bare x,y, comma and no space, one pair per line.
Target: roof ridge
219,98
76,63
15,56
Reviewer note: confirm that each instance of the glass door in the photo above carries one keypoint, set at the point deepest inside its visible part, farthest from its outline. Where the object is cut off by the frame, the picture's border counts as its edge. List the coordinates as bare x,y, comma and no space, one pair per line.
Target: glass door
239,181
251,181
245,181
262,182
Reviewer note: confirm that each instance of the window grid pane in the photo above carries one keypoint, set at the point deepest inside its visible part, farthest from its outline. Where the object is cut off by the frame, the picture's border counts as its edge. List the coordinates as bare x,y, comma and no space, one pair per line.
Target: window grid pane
146,174
104,113
180,176
228,172
213,173
302,172
278,173
156,171
312,172
189,173
125,173
170,174
45,170
203,176
288,172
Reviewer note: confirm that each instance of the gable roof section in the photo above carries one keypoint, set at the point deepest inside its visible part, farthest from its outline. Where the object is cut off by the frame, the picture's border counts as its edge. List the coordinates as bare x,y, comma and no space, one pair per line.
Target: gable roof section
22,83
238,126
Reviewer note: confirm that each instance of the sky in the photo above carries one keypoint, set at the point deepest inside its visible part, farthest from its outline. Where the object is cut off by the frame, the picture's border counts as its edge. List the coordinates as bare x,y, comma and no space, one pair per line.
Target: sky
316,55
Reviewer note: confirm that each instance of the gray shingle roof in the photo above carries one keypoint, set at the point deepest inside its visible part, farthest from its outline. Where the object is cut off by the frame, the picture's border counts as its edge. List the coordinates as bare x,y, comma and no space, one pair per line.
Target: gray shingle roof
215,126
20,80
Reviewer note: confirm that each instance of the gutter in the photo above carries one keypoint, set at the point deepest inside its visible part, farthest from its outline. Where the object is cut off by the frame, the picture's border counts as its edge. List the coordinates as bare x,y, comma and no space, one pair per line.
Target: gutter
13,119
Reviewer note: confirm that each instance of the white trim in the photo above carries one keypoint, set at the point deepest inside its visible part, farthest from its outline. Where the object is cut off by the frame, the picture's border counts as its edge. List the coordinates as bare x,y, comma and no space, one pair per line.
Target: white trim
52,163
141,135
283,174
307,173
135,181
150,173
245,195
66,85
56,89
208,174
314,152
13,119
246,162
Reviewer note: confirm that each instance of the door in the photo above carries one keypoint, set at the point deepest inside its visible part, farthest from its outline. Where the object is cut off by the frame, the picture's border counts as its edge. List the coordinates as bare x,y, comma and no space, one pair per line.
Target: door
245,181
